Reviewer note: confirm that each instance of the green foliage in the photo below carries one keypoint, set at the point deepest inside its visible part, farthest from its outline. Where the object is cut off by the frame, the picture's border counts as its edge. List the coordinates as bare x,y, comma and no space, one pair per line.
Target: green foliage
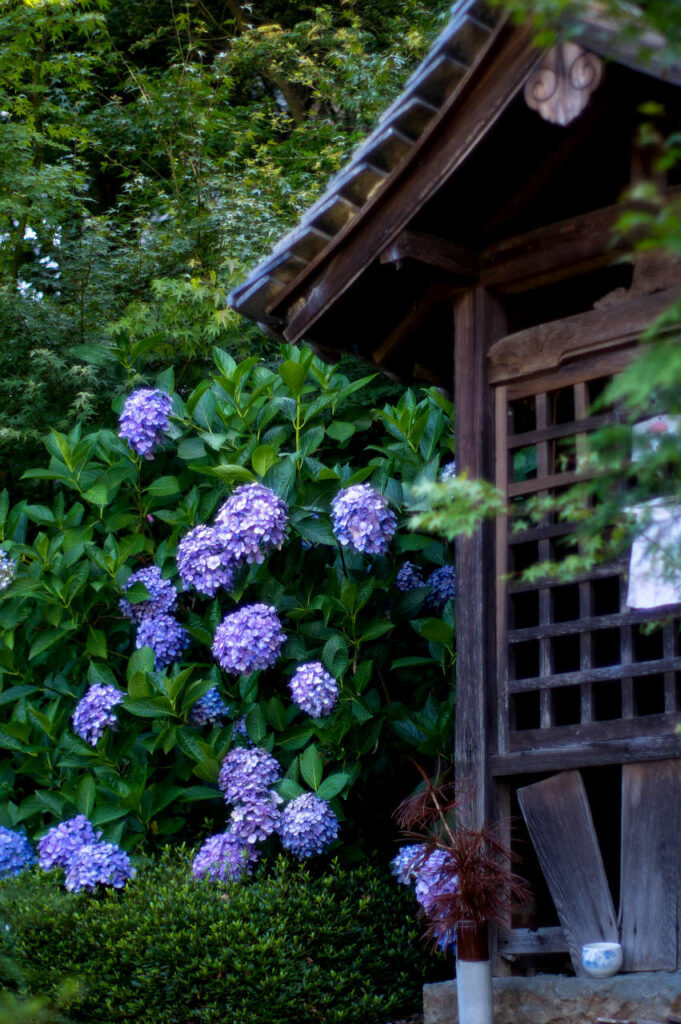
285,947
456,507
306,432
150,155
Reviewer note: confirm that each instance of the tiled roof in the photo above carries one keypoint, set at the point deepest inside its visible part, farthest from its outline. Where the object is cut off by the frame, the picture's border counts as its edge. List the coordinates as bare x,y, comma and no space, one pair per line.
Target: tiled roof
386,148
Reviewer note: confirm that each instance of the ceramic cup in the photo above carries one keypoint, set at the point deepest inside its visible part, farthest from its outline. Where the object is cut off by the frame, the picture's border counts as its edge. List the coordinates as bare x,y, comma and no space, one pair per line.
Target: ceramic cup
601,959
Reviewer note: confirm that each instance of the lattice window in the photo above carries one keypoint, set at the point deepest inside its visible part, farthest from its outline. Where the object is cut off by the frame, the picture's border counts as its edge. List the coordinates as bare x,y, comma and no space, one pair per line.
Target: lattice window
574,662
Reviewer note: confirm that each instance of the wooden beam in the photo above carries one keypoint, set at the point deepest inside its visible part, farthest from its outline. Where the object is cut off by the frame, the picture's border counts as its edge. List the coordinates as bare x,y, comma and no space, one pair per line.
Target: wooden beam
587,753
555,251
434,295
500,73
478,320
433,252
525,942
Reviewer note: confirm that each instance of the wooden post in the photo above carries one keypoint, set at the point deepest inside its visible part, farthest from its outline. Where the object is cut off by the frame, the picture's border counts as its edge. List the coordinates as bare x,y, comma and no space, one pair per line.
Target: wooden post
479,321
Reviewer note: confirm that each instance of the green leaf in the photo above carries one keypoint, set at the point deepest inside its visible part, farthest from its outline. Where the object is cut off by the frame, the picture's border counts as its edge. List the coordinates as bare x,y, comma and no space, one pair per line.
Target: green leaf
262,458
341,431
376,628
194,747
85,795
288,789
228,471
137,593
45,641
275,712
335,656
39,514
164,487
148,707
96,643
293,375
311,766
255,724
98,494
141,660
332,785
297,737
434,629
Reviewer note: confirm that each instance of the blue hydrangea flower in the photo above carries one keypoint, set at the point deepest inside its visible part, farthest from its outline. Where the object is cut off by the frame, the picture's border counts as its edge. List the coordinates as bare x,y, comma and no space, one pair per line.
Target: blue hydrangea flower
448,472
162,595
409,577
16,853
94,712
248,639
362,520
404,865
256,819
247,773
314,690
223,858
166,637
7,570
203,562
208,709
144,420
251,523
443,584
240,729
431,882
307,826
97,864
59,844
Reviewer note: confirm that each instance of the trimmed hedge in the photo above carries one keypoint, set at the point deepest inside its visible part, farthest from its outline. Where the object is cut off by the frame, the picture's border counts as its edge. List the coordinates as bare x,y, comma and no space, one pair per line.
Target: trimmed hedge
286,946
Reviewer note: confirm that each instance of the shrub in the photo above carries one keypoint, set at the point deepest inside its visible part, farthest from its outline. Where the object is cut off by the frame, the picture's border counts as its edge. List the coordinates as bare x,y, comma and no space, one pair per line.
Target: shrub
95,573
284,947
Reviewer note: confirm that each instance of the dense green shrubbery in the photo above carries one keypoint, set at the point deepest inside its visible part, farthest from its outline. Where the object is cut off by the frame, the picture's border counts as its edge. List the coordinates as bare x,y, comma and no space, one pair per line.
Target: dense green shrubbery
305,432
284,947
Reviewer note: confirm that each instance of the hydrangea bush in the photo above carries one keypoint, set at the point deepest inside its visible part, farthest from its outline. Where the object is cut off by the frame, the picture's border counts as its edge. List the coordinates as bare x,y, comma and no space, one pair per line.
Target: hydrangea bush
220,622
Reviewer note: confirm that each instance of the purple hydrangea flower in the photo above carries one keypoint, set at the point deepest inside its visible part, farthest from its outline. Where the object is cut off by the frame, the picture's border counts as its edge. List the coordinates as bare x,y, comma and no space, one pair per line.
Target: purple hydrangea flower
247,773
432,882
362,519
404,865
223,858
16,853
251,523
94,712
443,584
162,595
248,639
256,819
209,708
314,690
144,420
7,570
240,729
59,844
448,472
409,577
166,637
97,864
203,561
307,826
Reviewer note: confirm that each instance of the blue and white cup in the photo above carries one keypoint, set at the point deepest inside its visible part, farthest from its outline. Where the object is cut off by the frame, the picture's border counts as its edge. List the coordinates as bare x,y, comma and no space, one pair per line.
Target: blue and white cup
601,959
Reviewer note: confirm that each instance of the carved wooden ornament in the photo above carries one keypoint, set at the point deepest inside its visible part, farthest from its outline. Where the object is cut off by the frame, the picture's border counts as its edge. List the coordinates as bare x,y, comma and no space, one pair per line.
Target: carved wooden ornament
560,86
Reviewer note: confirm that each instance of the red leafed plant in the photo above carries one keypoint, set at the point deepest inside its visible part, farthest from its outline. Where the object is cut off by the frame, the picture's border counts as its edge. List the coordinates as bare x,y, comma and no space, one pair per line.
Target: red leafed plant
474,880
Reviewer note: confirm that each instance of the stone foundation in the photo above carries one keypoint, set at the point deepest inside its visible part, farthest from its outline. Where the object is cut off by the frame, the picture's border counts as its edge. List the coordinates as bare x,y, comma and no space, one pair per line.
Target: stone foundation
552,999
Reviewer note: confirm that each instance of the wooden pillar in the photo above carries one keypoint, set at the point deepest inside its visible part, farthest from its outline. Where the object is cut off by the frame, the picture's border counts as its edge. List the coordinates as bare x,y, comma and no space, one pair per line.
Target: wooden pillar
479,321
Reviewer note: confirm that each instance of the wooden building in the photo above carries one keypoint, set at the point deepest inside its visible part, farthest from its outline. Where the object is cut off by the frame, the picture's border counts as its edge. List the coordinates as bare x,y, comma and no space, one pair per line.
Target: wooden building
470,240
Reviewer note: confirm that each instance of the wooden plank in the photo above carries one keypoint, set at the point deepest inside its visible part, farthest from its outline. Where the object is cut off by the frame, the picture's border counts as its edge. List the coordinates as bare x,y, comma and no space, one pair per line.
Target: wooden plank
547,346
524,942
599,572
597,675
558,818
583,625
586,753
433,252
651,854
560,430
501,69
545,483
478,321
